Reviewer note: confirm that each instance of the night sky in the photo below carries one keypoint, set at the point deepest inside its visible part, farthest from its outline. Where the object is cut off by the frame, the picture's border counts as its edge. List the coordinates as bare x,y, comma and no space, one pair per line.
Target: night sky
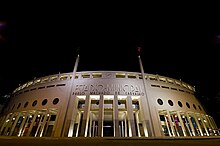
178,41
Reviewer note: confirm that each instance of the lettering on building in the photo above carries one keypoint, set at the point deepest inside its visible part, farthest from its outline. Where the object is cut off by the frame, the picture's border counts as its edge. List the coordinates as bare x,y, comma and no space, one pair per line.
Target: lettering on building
108,89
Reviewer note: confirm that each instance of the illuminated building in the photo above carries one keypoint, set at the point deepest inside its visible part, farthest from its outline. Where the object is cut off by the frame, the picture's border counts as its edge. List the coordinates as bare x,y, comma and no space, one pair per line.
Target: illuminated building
105,104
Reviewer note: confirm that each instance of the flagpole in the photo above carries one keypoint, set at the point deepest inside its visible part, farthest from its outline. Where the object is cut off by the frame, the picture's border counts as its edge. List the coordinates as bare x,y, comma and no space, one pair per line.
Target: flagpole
67,121
149,123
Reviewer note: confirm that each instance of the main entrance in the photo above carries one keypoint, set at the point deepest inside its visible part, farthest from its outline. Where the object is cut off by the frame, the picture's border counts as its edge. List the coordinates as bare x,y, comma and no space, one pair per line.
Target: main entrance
108,116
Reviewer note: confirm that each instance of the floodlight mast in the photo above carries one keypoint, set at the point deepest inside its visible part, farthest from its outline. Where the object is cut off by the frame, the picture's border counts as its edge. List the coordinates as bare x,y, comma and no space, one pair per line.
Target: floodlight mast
148,120
68,120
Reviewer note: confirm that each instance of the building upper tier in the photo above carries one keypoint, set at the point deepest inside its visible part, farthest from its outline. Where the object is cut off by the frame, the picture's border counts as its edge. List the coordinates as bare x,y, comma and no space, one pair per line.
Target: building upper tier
103,74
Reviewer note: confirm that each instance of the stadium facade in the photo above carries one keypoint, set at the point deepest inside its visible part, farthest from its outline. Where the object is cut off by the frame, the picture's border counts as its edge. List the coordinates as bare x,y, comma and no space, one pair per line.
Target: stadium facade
105,104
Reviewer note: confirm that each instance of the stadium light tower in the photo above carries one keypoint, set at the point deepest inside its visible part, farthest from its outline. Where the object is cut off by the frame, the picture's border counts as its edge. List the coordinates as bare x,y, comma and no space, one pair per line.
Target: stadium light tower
68,120
148,120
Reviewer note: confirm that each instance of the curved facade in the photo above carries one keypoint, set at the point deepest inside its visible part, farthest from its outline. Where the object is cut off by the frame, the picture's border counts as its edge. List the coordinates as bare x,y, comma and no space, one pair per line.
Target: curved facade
105,103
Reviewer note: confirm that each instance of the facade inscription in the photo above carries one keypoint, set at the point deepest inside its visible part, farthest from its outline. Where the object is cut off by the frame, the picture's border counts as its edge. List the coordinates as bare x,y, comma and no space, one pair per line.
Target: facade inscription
108,89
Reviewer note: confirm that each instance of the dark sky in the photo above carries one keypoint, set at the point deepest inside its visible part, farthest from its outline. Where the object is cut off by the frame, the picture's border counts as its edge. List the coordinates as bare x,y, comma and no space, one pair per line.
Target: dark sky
177,40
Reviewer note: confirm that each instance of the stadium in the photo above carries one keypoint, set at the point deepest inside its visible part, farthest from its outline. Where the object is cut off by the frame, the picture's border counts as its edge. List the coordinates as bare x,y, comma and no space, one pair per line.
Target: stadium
105,104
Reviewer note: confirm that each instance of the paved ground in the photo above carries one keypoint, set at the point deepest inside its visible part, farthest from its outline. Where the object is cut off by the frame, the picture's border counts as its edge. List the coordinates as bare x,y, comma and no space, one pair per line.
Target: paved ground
30,141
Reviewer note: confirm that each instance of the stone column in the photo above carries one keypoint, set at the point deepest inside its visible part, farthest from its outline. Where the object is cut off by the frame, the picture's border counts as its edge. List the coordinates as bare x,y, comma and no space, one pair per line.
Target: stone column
115,116
131,123
171,124
15,123
181,122
32,123
85,120
101,116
